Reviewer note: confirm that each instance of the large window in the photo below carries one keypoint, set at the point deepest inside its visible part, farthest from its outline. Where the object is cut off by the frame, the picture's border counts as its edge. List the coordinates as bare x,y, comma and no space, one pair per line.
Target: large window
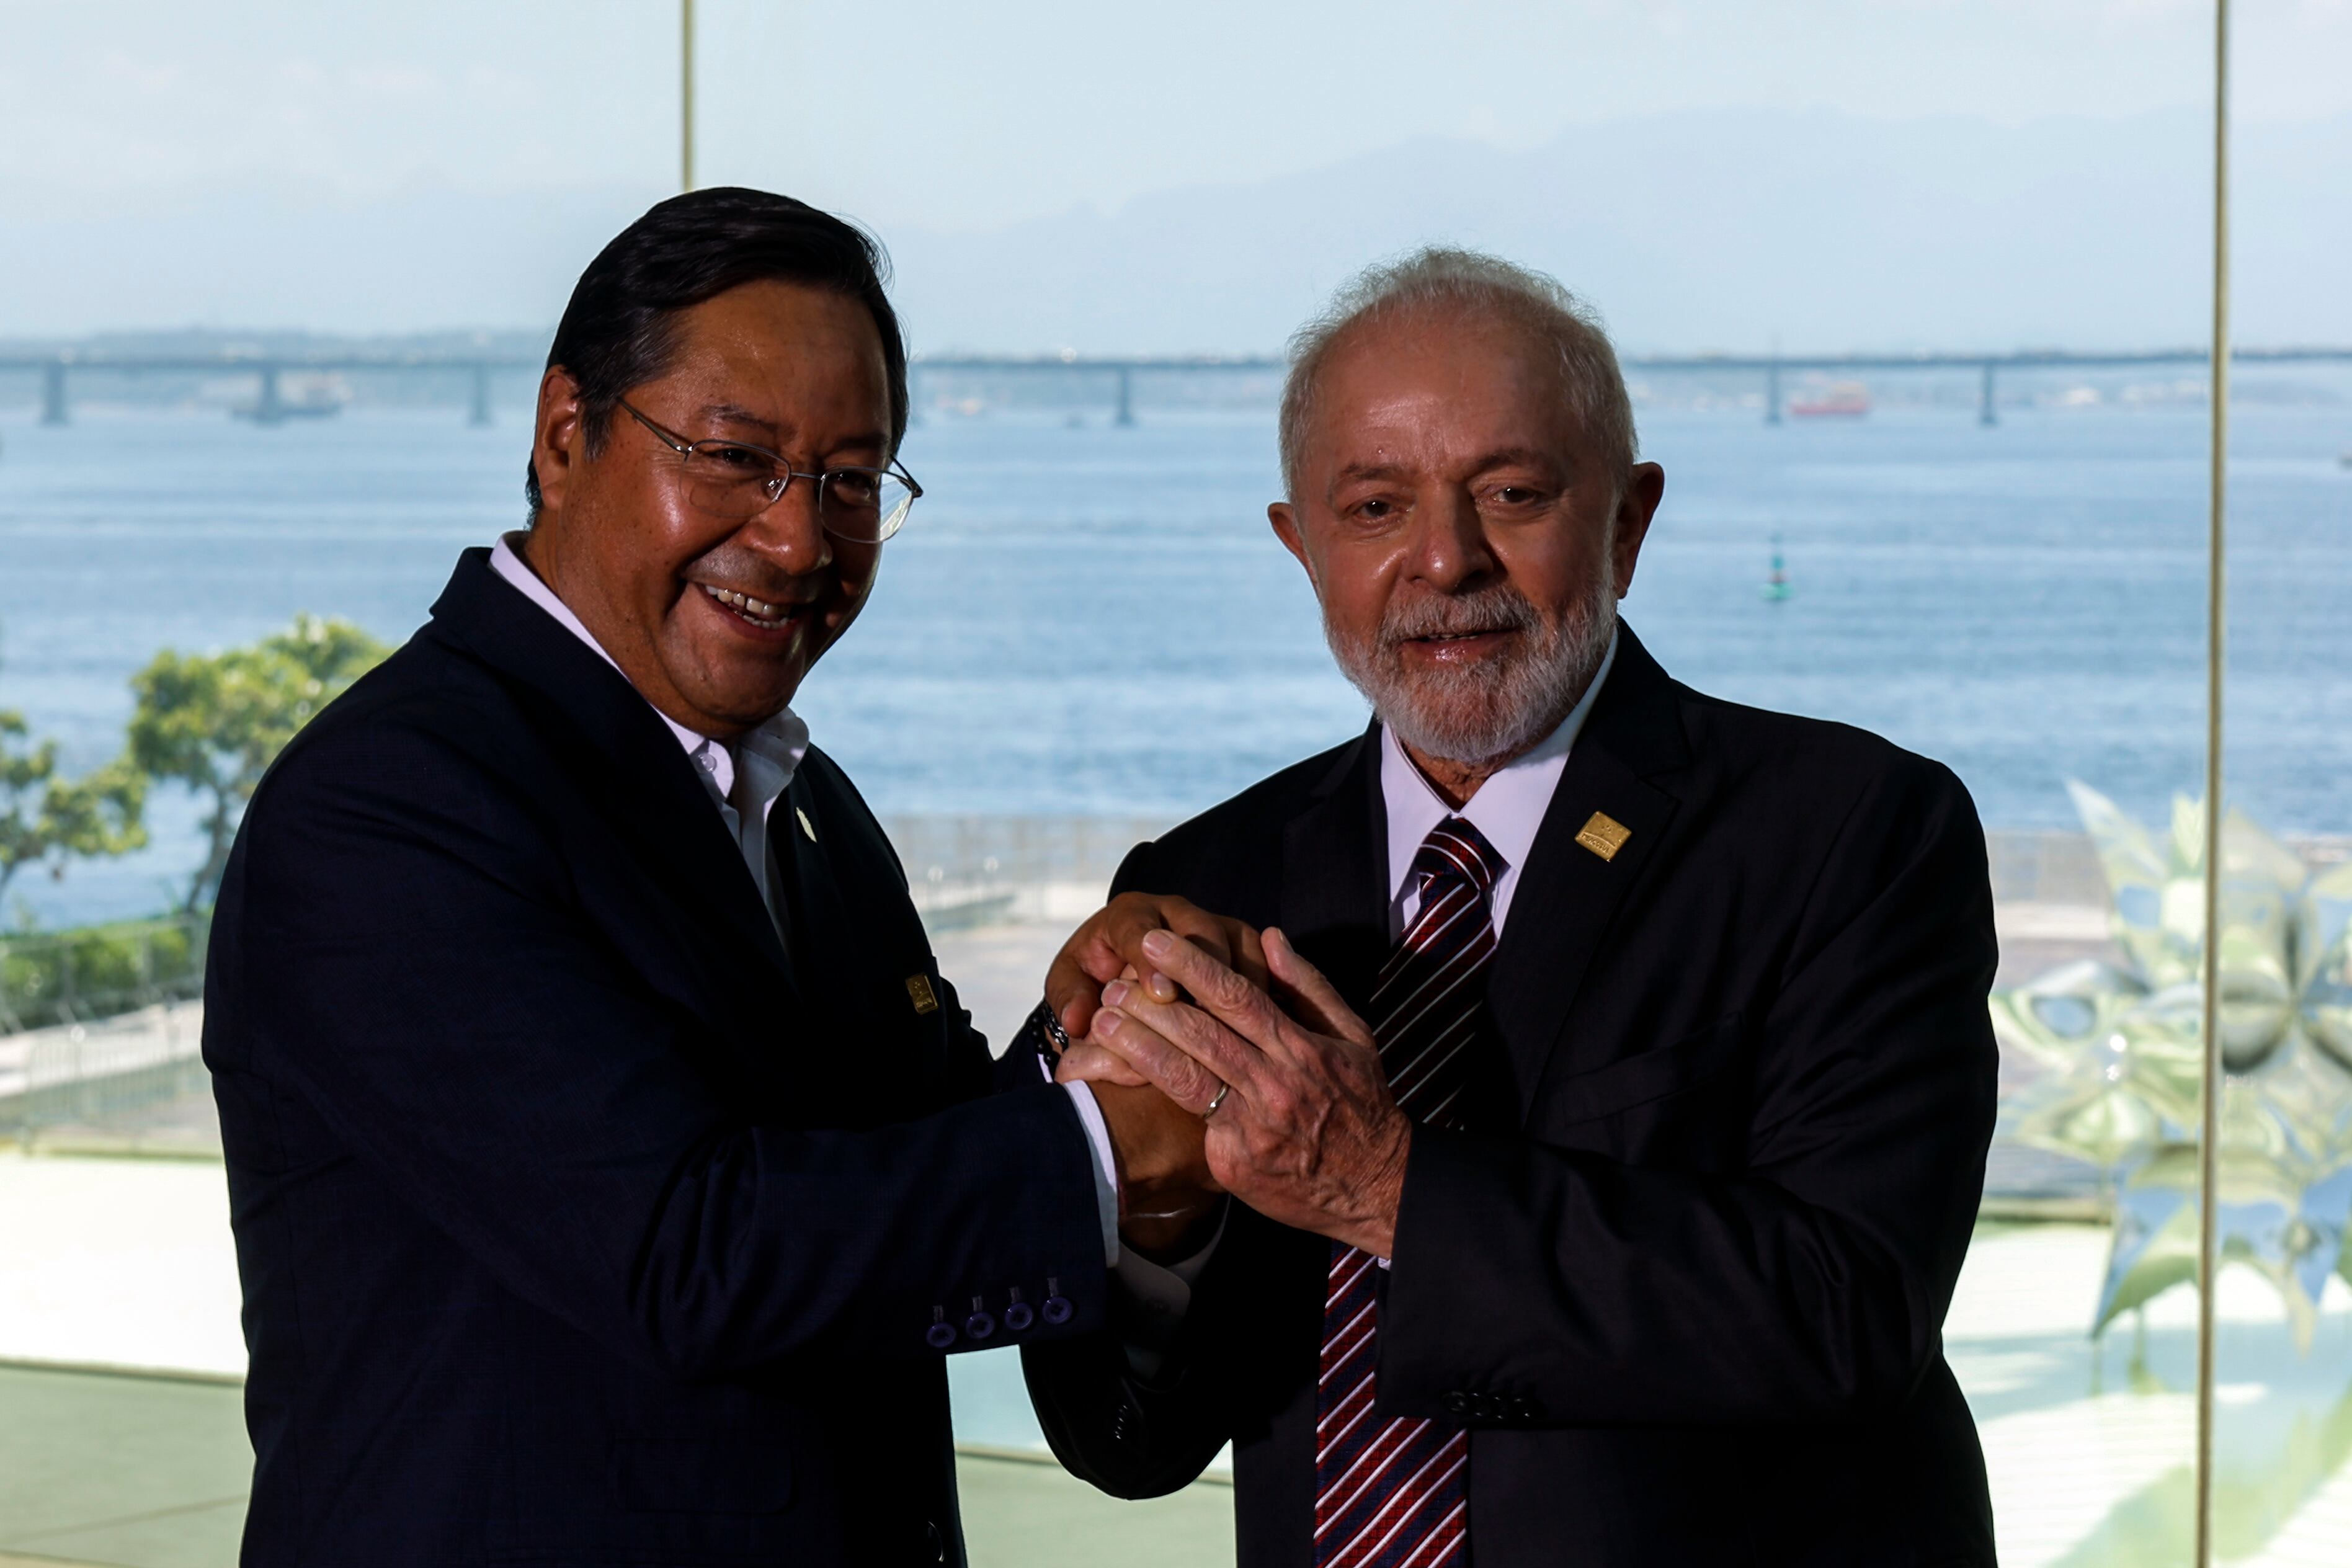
1917,303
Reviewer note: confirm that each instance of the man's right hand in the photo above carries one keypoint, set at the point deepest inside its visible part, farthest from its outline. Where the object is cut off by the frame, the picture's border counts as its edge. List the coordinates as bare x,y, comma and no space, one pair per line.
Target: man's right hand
1167,1199
1111,945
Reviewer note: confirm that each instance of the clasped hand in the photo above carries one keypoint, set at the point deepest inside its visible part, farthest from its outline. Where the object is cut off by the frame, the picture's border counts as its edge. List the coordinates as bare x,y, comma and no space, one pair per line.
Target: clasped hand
1168,1201
1305,1131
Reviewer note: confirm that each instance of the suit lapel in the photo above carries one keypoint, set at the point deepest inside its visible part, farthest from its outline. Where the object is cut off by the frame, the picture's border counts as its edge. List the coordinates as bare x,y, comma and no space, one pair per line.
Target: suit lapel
1335,872
803,861
620,754
677,832
1568,894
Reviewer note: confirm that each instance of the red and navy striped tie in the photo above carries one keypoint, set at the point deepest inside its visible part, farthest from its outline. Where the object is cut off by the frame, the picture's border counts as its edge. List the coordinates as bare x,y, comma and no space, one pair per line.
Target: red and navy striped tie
1395,1493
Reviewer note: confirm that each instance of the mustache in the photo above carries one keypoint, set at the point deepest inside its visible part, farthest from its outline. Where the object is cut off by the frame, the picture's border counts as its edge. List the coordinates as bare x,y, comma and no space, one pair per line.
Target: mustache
738,571
1498,608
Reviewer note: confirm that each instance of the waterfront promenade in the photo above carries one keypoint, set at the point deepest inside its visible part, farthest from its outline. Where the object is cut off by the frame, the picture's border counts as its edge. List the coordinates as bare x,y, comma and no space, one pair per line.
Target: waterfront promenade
117,1256
127,1260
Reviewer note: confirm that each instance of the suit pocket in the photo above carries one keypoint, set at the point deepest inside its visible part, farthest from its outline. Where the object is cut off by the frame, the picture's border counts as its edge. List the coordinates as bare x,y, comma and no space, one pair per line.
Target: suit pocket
1644,1077
693,1475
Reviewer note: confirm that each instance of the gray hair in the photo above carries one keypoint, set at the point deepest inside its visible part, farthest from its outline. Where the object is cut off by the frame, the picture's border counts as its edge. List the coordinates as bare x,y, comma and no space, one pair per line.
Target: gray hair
1445,277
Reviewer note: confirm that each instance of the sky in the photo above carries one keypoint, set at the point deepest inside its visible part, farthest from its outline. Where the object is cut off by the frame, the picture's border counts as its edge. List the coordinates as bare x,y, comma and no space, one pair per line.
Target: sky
170,164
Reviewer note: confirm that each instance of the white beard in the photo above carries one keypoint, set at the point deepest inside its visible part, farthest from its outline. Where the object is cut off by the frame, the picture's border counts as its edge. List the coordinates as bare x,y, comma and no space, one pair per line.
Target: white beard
1496,709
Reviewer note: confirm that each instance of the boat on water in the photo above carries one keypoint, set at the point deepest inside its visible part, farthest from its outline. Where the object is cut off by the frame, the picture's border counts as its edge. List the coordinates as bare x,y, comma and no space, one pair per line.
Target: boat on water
1838,400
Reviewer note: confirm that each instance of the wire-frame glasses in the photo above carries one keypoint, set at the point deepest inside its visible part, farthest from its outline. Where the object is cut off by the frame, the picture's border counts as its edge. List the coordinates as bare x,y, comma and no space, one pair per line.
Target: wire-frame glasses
737,482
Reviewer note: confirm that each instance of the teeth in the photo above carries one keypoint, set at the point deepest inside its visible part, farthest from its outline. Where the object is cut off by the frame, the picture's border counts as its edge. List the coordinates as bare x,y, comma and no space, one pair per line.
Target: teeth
750,607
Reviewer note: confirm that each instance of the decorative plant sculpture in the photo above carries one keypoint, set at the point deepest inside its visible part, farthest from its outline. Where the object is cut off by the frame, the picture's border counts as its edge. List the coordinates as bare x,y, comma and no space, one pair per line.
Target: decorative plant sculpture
2119,1054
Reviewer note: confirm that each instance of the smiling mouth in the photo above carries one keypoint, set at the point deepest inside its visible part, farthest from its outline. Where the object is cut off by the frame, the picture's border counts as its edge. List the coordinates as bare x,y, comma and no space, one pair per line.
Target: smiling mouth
759,613
1442,639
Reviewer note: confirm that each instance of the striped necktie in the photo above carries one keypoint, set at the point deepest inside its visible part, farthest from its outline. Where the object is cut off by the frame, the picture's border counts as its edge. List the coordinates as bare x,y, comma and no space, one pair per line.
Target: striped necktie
1395,1493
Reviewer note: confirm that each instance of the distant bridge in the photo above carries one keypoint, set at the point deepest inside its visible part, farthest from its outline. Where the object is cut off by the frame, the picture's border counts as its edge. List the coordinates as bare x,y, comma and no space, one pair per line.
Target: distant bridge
56,366
270,407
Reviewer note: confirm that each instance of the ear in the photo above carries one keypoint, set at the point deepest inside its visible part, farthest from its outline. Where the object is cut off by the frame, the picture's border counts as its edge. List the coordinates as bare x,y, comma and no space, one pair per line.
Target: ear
1644,487
558,439
1285,518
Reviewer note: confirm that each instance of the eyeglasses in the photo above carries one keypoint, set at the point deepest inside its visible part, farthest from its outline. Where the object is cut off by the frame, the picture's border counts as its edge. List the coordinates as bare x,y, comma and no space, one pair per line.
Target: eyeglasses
737,482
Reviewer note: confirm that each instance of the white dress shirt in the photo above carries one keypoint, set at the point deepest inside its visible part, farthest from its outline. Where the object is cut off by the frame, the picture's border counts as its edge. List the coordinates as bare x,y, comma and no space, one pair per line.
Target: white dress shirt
1508,807
745,778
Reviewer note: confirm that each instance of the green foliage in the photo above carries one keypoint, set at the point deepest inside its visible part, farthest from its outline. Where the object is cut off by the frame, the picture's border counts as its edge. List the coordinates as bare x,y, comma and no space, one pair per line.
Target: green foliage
47,817
214,722
94,970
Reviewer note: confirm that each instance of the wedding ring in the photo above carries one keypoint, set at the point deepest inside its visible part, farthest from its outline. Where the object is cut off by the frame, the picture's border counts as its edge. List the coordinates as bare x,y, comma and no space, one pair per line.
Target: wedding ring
1223,1089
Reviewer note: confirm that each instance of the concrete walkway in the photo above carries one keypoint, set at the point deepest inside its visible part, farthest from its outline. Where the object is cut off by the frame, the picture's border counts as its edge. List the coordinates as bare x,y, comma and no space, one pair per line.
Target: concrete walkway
147,1471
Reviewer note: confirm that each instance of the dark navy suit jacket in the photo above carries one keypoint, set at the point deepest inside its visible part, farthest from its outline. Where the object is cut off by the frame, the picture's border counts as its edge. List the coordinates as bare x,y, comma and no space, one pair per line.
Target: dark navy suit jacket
578,1224
1683,1276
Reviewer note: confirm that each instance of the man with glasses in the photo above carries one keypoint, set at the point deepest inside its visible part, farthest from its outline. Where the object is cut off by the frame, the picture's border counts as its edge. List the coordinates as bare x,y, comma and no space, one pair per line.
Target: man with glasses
611,1165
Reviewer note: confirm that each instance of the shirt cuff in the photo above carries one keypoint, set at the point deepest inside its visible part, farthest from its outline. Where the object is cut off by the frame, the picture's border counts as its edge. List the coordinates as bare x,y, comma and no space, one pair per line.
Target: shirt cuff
1166,1286
1091,1117
1149,1299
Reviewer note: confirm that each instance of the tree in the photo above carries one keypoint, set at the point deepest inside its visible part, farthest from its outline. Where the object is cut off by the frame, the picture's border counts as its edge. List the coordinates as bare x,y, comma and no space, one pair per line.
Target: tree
46,817
214,722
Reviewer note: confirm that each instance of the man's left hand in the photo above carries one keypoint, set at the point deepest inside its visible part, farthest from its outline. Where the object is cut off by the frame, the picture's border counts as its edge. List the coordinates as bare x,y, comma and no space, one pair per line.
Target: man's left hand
1305,1132
1111,945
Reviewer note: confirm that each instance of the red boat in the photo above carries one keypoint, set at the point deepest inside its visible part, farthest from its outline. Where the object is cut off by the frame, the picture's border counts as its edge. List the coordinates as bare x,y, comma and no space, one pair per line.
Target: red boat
1839,400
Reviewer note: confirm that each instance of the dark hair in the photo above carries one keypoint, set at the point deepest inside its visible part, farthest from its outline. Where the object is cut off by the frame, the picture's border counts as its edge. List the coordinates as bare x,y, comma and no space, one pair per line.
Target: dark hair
620,331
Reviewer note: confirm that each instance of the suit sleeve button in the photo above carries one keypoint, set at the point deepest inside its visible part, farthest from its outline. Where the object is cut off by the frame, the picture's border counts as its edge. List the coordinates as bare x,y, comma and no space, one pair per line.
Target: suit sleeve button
1055,1308
942,1333
1017,1313
1526,1411
980,1325
1458,1403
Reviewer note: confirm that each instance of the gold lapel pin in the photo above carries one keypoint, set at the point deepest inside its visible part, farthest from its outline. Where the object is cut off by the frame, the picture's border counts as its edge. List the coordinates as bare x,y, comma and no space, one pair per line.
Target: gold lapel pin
919,991
806,825
1603,835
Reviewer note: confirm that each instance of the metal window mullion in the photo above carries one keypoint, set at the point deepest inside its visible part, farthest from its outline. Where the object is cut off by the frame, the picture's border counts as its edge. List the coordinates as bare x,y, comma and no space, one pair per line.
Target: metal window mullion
2209,1196
685,95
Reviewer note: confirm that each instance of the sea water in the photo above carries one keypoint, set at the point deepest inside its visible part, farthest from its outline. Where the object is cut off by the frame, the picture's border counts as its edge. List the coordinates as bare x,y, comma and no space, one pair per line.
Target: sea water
1094,619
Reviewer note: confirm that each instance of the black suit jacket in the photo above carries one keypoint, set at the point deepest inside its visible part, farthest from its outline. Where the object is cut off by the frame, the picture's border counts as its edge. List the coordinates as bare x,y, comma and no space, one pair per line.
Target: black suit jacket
577,1223
1683,1274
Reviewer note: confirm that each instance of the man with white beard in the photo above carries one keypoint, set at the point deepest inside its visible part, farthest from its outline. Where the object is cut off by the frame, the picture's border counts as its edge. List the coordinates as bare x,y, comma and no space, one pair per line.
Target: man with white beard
1603,1155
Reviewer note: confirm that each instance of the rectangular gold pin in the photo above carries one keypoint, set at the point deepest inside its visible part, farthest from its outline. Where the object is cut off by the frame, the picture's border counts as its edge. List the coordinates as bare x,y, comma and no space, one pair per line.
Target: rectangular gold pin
1603,835
919,991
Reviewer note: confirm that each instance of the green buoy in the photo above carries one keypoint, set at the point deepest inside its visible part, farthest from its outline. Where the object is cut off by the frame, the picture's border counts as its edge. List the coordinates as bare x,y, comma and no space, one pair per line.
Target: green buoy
1776,586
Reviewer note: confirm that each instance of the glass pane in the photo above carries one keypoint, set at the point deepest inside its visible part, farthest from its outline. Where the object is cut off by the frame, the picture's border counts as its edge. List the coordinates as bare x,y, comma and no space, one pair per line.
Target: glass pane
2283,1376
1994,556
1085,632
196,200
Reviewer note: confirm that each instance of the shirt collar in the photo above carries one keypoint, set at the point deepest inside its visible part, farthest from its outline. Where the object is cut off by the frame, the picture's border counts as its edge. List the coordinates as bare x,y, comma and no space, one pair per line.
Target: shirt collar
1508,807
779,743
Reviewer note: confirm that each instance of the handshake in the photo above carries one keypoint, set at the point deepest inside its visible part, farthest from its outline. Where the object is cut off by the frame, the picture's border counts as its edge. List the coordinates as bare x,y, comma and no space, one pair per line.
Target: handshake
1226,1063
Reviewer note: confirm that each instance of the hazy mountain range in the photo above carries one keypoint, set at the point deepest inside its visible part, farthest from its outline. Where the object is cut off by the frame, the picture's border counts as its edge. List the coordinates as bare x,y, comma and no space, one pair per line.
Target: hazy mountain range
1691,231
